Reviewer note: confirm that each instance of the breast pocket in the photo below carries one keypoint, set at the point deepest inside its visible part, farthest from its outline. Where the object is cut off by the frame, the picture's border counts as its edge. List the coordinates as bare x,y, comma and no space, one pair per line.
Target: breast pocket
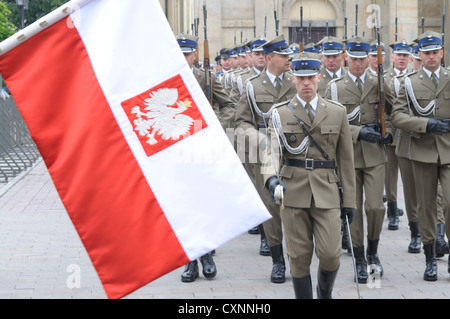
331,133
293,133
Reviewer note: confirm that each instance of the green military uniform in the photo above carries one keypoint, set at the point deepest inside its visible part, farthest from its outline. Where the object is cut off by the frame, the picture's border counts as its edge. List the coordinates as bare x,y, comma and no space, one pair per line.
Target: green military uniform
402,150
369,155
392,166
253,111
312,219
421,107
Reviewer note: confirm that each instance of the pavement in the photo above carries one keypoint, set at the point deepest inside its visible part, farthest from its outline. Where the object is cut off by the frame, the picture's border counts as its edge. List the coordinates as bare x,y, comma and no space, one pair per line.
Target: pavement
42,257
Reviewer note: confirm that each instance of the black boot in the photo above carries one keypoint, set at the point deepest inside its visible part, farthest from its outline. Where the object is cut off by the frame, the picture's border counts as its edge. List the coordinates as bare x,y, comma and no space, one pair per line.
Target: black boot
441,243
414,245
372,257
361,264
392,214
264,249
345,241
190,272
279,267
254,231
302,287
209,267
325,283
430,273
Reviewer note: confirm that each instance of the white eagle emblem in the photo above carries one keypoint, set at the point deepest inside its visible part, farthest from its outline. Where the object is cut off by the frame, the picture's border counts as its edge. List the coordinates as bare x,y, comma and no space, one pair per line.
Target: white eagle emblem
161,118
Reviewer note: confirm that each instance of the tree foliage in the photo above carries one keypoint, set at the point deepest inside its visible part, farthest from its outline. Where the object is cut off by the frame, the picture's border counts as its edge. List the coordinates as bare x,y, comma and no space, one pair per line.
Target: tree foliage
36,10
7,29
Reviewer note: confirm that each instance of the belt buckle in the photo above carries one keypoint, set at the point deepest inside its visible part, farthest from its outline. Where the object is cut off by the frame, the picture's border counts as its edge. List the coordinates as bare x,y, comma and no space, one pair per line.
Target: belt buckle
309,164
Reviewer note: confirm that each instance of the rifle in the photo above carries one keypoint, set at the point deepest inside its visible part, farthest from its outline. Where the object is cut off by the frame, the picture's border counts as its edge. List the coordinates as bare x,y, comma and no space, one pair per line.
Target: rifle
381,96
302,44
196,23
206,59
396,22
443,34
356,21
276,18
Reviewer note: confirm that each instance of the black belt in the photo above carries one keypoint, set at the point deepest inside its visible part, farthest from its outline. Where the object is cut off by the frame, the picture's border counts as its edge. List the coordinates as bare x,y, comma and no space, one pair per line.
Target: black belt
310,163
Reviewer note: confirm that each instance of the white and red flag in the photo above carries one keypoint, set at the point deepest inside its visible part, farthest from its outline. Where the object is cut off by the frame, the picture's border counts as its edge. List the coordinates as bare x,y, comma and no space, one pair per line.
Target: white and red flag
145,171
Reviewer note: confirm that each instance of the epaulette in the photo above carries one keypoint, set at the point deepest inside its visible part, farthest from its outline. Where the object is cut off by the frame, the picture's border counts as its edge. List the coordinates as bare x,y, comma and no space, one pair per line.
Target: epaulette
281,104
253,77
335,103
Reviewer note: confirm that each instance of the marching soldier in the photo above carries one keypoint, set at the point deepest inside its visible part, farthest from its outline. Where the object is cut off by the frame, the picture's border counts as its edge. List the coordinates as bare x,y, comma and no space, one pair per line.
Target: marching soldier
373,57
401,53
403,141
258,62
188,45
317,151
422,108
225,62
271,86
358,92
332,57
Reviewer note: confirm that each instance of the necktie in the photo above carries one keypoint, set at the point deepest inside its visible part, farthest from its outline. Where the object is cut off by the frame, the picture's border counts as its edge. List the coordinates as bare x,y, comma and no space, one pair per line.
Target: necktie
310,112
434,79
359,84
278,84
335,76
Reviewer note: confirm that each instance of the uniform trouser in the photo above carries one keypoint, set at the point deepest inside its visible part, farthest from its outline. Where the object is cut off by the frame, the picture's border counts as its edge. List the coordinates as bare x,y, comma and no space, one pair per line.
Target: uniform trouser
409,189
427,177
272,227
391,174
306,227
370,183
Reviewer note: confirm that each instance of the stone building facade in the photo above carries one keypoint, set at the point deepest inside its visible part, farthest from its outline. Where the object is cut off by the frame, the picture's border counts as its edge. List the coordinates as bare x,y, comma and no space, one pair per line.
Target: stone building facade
233,21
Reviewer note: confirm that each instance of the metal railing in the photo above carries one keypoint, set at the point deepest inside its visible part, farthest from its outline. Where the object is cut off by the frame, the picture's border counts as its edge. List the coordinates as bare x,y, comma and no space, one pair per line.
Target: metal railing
18,152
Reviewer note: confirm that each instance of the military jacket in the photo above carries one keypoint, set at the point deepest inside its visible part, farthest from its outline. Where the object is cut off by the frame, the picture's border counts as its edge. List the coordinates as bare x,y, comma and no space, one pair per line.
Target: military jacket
253,108
325,79
419,100
362,109
331,130
224,108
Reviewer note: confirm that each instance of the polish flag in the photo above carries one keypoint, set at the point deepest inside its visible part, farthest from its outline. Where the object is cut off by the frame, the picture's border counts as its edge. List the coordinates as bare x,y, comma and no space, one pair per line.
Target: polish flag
140,161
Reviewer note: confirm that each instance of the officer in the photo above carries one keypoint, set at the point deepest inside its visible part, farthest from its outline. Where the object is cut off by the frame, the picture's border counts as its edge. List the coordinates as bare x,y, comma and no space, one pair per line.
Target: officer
317,151
358,92
332,57
373,57
188,45
402,149
401,53
271,86
258,62
423,108
225,61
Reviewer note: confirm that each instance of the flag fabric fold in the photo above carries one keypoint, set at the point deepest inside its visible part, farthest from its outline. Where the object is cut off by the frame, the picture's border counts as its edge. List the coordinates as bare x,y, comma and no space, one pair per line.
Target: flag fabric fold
141,163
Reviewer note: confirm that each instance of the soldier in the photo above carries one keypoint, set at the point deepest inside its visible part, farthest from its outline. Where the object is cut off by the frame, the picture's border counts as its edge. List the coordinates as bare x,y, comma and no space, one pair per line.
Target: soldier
225,61
403,141
271,86
373,57
422,108
401,52
332,56
316,143
188,45
358,92
258,62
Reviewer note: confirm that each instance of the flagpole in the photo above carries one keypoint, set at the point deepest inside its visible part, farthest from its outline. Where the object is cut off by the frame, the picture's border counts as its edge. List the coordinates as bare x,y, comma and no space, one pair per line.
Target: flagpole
41,24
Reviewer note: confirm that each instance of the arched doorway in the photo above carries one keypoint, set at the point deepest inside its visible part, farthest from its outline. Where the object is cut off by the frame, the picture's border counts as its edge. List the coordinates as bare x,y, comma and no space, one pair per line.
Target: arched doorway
319,19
